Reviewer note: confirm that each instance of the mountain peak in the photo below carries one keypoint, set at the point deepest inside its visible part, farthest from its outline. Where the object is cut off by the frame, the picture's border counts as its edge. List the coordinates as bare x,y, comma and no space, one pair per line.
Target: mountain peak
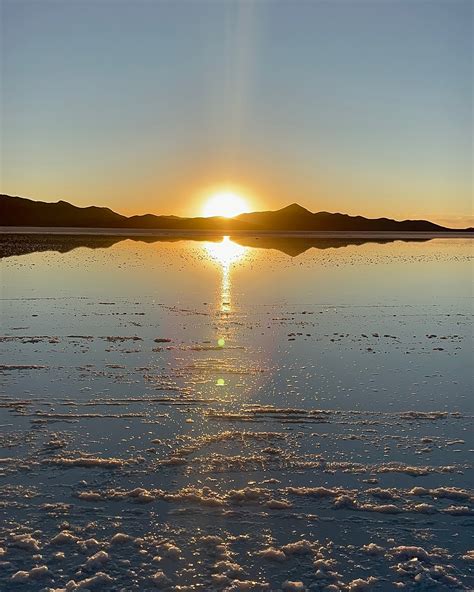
295,208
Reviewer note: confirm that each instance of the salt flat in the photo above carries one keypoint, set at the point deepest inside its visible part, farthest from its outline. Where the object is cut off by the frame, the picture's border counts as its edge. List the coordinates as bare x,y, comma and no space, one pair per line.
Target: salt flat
208,415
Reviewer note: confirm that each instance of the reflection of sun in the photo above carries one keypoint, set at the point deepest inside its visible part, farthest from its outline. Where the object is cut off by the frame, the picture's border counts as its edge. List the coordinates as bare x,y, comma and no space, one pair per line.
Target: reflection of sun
226,204
226,253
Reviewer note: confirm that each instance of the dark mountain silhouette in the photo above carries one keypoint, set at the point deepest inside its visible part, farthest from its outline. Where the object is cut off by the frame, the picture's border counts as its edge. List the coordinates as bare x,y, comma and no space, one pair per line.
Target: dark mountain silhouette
296,217
19,211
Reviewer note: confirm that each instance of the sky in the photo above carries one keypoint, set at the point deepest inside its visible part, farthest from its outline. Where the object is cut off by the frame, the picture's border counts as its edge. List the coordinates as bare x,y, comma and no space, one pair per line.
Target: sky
362,107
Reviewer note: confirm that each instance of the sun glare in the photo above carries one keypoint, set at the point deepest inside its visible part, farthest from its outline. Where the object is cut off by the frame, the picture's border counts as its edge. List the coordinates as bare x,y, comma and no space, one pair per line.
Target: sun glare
225,203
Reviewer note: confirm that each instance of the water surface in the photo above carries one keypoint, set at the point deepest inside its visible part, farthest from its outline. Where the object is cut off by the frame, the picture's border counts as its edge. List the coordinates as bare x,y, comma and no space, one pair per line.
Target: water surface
253,413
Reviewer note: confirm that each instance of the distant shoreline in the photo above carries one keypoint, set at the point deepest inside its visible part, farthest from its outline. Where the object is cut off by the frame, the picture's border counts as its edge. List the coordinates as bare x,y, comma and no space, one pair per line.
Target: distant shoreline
134,232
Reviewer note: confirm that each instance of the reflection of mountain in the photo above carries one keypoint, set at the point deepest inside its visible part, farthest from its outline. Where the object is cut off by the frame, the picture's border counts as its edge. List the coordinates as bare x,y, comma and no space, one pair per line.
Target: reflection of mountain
12,245
294,246
18,211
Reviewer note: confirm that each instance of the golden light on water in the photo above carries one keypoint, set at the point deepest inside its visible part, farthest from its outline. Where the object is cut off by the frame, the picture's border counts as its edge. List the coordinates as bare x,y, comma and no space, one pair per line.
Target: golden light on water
226,253
226,204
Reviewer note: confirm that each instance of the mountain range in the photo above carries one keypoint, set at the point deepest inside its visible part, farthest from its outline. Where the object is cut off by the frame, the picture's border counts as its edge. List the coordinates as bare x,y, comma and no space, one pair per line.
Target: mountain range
20,211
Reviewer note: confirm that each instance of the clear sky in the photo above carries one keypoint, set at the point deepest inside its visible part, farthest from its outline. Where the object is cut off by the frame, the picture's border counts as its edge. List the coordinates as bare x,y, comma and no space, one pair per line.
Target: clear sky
357,106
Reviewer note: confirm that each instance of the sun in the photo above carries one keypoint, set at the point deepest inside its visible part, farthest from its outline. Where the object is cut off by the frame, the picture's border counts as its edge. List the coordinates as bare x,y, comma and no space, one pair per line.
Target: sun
226,204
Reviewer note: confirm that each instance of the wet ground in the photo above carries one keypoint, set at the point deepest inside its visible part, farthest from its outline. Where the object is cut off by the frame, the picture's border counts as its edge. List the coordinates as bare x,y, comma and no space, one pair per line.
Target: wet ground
235,414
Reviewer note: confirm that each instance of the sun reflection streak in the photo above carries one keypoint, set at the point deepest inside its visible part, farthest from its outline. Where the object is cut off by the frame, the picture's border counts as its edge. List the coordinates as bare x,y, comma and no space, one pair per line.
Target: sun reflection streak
226,253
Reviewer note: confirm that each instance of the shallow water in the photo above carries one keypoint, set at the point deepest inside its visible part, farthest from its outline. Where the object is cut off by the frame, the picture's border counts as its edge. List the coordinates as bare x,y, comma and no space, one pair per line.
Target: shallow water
254,414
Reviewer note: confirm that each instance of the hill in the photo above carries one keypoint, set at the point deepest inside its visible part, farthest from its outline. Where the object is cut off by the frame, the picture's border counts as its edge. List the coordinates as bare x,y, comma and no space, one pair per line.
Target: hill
296,217
19,211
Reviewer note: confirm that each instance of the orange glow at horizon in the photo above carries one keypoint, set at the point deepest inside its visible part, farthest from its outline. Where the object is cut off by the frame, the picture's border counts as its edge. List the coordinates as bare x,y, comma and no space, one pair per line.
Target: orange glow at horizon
226,204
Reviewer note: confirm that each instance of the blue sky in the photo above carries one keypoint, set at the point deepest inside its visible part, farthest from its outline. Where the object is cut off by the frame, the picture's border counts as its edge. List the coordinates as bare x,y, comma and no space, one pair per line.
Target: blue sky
355,106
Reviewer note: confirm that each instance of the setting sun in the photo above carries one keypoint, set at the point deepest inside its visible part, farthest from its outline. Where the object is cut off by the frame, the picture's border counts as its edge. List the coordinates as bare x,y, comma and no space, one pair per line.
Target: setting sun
225,203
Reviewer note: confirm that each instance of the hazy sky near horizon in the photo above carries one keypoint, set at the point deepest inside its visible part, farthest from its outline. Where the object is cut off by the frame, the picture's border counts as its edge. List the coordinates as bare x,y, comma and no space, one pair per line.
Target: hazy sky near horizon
357,106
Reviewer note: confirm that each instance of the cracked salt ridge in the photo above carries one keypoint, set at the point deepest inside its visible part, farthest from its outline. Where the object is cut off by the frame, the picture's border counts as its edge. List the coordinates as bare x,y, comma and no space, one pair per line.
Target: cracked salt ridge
90,461
284,458
323,414
221,462
52,415
184,394
347,499
20,407
9,367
